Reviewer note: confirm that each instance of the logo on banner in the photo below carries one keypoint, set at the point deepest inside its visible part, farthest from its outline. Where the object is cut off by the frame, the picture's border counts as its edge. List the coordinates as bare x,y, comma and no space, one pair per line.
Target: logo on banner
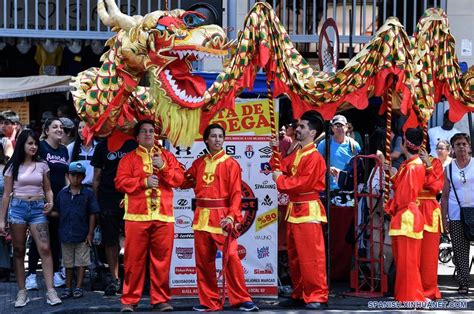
184,252
182,204
185,270
265,168
241,251
249,206
265,185
267,201
266,152
202,153
184,235
249,152
183,221
263,252
266,219
183,150
268,270
230,150
263,237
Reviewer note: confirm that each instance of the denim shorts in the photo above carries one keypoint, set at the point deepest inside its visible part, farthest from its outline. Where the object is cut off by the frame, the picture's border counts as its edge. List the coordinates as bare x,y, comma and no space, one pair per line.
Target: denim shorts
26,212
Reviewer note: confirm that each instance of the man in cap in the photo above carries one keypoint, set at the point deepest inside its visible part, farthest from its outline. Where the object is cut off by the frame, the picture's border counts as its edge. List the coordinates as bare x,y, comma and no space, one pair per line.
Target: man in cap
69,129
10,125
342,148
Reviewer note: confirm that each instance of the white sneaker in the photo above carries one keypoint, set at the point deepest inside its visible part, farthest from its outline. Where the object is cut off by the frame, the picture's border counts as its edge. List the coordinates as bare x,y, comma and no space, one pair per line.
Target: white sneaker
52,297
58,280
22,298
31,283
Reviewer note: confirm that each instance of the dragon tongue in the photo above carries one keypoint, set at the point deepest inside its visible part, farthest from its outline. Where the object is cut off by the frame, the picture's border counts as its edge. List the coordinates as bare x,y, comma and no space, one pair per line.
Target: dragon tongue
193,85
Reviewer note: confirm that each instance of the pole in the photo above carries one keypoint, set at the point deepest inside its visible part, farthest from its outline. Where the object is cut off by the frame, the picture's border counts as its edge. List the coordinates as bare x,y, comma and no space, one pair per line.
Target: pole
469,119
327,202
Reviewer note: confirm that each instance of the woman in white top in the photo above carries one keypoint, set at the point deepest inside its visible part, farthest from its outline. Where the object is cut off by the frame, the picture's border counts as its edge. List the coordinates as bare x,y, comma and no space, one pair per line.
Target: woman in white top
459,174
27,185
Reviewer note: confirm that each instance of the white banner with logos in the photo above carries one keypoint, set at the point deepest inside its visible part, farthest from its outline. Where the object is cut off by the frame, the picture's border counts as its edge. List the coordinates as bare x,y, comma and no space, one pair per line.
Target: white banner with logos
247,140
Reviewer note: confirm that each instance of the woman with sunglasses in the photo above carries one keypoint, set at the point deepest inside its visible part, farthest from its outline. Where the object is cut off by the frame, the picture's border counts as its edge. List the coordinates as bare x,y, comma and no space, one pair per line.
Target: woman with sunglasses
459,180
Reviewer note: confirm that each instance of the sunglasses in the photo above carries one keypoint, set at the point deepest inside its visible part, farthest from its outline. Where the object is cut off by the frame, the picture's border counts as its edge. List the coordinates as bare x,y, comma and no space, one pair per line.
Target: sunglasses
462,175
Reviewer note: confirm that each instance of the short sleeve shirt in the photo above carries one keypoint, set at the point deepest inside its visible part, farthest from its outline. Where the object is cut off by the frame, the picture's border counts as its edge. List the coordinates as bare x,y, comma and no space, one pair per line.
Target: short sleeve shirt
57,159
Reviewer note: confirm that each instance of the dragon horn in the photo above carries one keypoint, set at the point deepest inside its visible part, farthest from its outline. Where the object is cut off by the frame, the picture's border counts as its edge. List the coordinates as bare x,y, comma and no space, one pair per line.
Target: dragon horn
114,18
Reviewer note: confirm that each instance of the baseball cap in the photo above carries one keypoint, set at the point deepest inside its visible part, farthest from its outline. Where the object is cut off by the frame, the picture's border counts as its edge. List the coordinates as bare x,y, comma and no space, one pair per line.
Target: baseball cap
77,167
11,116
46,115
339,119
67,123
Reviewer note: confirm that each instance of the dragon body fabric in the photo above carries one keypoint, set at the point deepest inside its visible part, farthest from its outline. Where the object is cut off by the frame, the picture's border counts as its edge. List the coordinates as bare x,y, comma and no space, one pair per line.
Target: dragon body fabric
161,46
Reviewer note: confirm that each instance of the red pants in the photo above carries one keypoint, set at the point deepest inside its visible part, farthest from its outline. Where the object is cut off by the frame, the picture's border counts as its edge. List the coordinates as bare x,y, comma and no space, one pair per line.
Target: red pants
429,265
406,254
206,245
307,260
142,238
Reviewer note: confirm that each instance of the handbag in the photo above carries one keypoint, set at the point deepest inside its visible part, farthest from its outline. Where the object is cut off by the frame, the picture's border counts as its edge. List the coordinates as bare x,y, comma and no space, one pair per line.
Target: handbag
467,213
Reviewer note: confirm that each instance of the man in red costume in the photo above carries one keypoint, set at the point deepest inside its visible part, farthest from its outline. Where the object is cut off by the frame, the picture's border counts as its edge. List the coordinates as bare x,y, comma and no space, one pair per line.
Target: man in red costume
216,179
406,226
431,210
302,177
147,176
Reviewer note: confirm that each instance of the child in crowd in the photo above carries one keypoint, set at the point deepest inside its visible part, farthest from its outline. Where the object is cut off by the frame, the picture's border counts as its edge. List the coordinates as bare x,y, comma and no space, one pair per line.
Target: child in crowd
77,208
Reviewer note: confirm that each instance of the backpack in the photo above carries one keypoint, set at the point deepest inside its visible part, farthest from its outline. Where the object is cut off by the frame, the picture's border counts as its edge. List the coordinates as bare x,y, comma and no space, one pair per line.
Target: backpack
345,180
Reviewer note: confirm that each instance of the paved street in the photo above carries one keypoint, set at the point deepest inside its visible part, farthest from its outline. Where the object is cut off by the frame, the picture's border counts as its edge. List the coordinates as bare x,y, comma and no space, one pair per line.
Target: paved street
96,302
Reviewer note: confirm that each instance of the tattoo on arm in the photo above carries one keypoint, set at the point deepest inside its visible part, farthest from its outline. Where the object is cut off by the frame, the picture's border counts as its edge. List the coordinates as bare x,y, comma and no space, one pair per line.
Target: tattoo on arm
43,233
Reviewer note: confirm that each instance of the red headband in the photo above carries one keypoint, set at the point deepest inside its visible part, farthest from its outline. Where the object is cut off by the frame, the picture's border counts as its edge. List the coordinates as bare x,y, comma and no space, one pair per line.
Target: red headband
411,145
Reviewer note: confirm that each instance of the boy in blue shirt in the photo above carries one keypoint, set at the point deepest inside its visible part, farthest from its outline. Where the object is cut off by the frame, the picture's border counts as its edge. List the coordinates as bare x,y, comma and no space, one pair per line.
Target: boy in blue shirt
77,208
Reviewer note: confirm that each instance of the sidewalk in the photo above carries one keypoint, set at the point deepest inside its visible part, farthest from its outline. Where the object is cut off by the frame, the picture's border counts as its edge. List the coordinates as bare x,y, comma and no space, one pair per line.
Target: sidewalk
96,302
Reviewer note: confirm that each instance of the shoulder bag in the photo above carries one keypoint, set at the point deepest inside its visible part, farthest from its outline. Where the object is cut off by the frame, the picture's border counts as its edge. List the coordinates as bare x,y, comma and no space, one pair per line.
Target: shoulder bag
467,213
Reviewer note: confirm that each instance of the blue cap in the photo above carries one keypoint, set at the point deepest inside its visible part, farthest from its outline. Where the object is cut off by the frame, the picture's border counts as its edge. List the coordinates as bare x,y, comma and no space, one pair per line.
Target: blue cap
77,167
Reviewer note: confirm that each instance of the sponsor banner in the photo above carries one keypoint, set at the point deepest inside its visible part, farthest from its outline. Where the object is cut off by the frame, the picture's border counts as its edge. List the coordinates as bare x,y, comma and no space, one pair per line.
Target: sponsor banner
247,141
266,219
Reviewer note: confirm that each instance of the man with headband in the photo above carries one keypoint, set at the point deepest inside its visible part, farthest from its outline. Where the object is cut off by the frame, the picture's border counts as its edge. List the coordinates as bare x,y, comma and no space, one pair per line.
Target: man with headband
406,227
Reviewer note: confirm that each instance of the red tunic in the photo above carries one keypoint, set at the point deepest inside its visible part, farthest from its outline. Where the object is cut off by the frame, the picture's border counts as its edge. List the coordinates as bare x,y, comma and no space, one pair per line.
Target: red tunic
132,173
303,178
217,178
407,219
429,206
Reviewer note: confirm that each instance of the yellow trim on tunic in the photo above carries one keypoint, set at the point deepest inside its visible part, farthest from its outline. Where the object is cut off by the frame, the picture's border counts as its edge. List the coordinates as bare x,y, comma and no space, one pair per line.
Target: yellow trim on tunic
211,166
407,224
314,214
300,153
203,222
437,222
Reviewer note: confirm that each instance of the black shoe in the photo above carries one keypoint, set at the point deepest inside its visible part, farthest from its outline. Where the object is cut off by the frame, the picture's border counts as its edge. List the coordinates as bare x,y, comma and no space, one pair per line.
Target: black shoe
316,306
200,308
248,306
113,288
162,307
295,303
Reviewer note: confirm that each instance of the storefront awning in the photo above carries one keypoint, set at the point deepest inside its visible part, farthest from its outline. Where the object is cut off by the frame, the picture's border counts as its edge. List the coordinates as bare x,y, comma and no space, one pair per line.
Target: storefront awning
14,87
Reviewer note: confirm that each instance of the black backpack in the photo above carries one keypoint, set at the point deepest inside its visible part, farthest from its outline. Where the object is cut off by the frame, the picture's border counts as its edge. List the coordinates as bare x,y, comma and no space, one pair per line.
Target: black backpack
345,180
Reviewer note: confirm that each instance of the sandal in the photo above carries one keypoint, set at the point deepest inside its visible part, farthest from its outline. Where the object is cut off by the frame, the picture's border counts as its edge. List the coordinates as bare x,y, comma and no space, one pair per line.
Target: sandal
77,293
463,290
67,293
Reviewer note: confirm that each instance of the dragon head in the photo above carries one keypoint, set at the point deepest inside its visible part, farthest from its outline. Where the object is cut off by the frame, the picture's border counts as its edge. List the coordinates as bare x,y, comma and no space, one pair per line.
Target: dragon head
164,44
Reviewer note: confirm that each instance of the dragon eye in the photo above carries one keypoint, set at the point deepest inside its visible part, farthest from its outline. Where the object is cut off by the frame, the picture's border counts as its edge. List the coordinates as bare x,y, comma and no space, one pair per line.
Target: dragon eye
193,19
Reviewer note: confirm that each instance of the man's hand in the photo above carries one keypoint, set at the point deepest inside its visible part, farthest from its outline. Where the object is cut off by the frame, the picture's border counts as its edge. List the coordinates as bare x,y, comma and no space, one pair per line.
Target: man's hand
425,157
274,142
276,174
157,161
227,224
152,181
89,239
